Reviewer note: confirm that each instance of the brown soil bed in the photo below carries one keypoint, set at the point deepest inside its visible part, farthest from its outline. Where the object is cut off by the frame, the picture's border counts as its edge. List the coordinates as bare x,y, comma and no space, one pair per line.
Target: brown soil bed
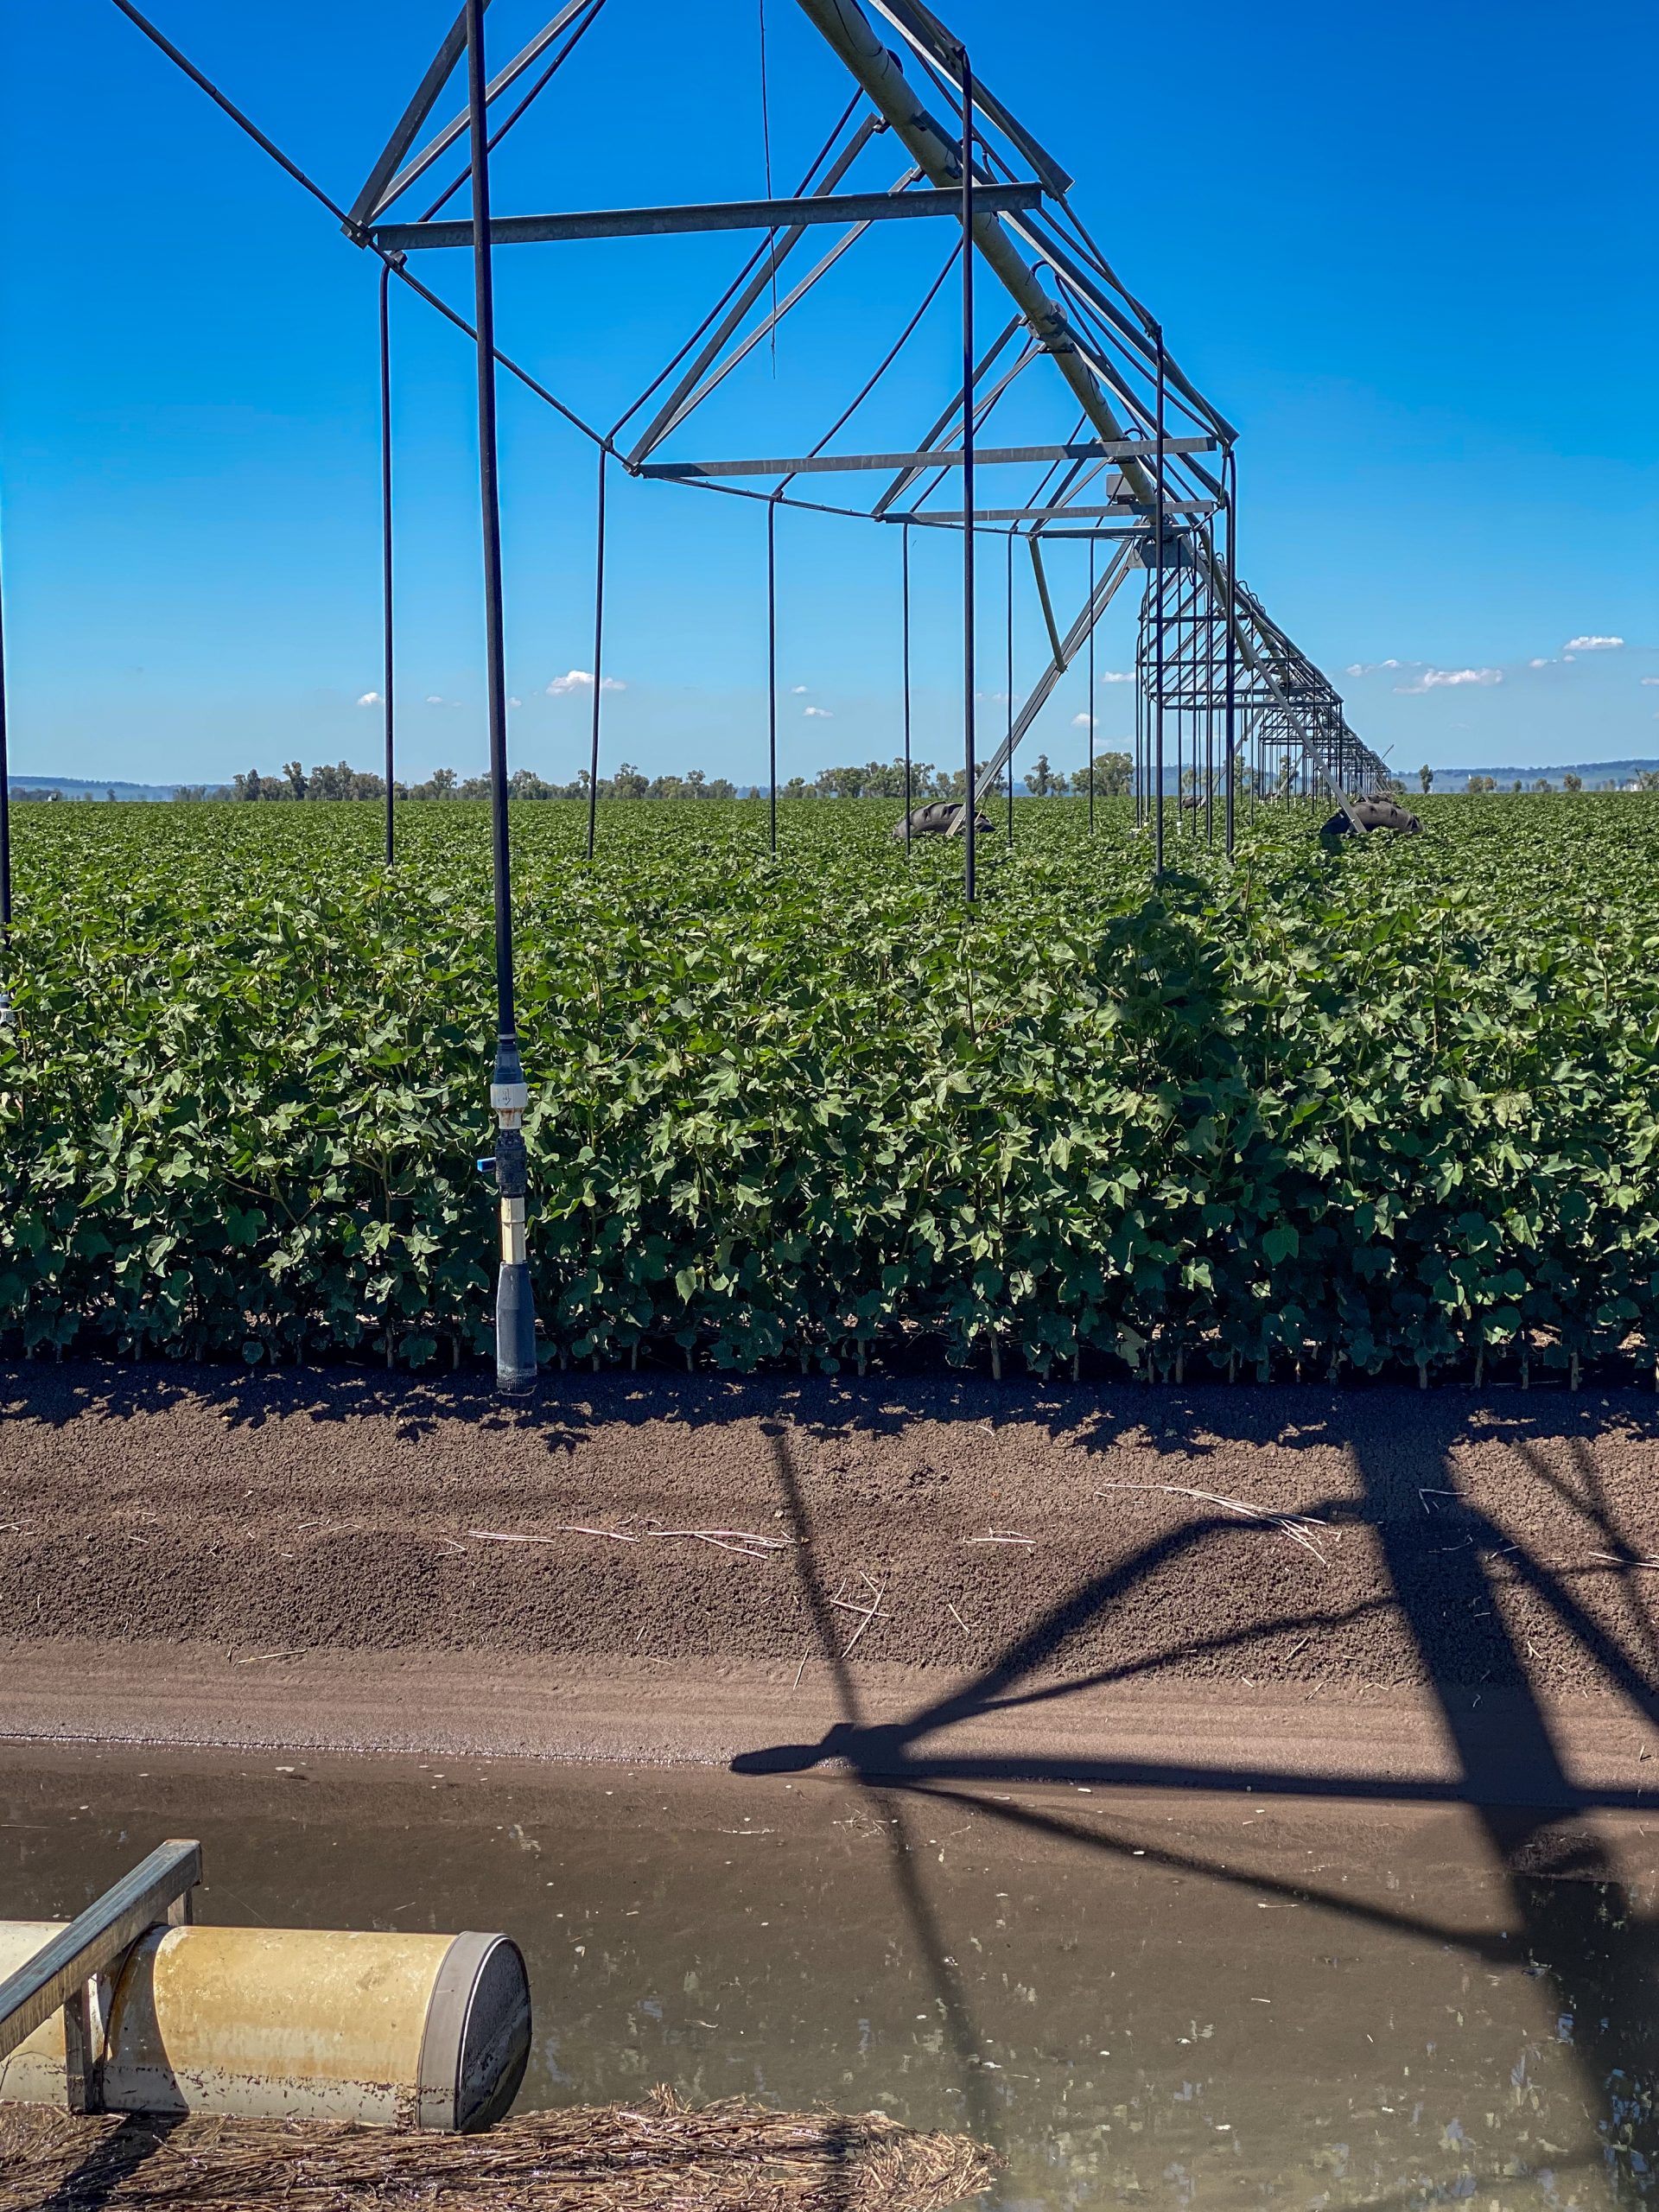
1286,1535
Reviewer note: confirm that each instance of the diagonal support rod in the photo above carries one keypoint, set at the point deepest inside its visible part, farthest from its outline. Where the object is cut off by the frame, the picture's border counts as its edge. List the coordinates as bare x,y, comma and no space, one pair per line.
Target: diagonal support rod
664,423
436,148
983,406
703,346
1071,645
368,201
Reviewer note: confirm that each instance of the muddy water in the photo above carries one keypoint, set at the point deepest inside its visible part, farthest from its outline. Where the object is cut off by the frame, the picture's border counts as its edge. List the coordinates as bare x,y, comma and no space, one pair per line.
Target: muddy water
1167,2001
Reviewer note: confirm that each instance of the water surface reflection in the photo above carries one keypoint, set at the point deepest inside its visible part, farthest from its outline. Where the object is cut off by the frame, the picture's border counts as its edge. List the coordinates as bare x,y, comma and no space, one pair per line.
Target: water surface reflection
1147,1999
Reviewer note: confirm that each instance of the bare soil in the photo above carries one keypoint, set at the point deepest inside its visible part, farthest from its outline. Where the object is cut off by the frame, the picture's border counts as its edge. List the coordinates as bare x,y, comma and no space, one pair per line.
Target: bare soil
958,1542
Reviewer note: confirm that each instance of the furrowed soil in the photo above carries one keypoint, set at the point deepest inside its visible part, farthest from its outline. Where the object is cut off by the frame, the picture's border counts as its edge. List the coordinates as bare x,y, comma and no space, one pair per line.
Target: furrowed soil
1367,1584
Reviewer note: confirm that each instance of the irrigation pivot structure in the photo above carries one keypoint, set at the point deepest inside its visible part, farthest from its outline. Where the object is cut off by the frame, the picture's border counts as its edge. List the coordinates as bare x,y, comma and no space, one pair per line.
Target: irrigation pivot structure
1145,470
1066,423
1147,463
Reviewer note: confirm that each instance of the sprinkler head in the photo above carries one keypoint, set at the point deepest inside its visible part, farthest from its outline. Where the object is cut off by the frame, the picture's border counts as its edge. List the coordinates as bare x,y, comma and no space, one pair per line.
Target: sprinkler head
509,1092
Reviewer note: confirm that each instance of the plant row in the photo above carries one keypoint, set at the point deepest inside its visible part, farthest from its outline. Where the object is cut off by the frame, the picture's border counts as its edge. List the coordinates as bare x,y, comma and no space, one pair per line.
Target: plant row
1389,1109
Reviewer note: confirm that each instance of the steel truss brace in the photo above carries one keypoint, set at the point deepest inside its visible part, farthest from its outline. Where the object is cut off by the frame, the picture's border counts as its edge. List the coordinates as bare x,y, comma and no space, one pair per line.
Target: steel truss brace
982,408
1040,693
926,35
377,194
689,391
758,336
1041,515
850,35
859,208
984,456
1041,575
371,199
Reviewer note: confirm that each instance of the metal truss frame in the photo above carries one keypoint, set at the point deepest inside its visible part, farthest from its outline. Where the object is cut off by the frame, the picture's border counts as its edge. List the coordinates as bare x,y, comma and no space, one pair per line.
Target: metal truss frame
1241,694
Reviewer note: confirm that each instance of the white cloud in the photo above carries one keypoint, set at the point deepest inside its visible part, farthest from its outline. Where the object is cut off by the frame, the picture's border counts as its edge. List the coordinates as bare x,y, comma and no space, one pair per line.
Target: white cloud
817,714
1082,722
798,691
581,679
515,702
371,699
1370,667
1592,645
1118,676
1545,662
1436,679
432,698
1650,679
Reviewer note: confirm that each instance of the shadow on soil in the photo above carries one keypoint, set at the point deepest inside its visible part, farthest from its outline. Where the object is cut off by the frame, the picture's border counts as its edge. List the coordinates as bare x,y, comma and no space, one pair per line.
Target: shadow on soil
1447,1563
117,2159
1576,1922
1188,1422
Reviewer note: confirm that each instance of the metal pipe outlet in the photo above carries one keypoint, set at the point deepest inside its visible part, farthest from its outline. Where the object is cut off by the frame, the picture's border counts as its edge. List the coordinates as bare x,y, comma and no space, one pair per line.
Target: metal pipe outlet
391,2031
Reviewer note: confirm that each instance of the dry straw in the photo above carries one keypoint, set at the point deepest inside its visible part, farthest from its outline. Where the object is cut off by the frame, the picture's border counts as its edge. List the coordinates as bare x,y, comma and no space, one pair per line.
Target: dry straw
658,2156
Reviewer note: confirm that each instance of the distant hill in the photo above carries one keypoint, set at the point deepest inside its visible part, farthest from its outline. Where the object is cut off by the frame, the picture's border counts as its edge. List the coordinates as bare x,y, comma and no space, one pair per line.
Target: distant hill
91,787
1591,773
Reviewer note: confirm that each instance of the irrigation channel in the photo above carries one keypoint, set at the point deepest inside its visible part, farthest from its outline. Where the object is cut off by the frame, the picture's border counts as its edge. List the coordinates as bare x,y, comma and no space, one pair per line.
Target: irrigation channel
1359,2012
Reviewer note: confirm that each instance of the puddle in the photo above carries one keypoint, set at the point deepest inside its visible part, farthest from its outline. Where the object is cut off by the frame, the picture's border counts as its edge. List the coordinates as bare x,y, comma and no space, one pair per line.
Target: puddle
1157,2000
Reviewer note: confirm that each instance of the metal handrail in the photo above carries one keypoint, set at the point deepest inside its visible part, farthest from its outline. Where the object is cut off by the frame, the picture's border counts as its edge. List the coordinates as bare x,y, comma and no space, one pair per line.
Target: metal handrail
91,1945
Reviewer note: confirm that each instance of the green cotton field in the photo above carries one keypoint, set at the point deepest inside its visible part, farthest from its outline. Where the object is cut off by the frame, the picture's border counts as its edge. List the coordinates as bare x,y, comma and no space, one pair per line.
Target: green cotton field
1391,1108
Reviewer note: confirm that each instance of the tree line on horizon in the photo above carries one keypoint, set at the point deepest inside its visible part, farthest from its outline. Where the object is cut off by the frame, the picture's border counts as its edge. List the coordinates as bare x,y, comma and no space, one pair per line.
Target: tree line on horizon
1113,778
875,779
1646,780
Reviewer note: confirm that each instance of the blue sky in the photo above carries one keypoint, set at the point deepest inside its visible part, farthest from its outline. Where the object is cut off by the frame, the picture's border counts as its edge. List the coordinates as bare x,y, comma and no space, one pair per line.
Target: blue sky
1411,252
